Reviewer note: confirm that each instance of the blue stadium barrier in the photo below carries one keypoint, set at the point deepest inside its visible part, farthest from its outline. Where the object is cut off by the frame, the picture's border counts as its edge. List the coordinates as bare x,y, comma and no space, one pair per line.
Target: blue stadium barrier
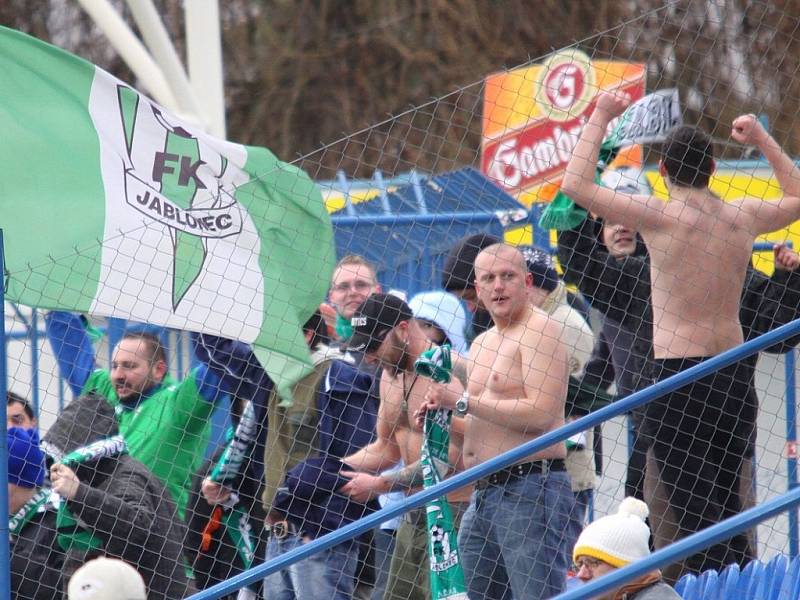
5,550
778,579
667,555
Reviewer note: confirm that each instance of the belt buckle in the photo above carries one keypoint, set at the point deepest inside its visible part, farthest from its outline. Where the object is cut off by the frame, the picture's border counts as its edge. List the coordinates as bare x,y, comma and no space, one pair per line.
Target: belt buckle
278,529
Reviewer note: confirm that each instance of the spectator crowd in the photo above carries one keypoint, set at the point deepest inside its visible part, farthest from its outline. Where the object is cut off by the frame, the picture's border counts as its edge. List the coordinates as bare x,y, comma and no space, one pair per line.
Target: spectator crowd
117,500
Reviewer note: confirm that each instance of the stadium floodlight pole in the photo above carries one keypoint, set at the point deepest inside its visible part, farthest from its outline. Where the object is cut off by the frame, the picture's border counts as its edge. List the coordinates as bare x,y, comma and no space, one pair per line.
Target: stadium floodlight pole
131,50
157,40
686,546
5,547
504,460
204,61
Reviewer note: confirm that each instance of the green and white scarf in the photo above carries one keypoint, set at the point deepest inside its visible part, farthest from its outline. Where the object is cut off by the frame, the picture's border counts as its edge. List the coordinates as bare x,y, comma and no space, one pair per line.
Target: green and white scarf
446,575
32,507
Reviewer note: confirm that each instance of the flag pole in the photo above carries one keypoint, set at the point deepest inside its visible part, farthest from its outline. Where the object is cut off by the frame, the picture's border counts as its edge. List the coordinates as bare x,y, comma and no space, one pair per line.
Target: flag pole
5,549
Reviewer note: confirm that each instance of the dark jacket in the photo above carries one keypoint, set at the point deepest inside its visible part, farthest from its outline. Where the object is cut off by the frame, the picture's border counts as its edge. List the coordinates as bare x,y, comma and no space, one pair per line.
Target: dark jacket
36,559
344,421
120,502
620,289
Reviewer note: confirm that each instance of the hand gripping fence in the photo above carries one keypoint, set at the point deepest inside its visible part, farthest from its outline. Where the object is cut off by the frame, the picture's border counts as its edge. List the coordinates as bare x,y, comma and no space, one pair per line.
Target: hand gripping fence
682,548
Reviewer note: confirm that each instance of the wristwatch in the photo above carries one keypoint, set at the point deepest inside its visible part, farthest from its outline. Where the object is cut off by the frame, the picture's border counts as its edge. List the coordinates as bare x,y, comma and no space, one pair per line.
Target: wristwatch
462,404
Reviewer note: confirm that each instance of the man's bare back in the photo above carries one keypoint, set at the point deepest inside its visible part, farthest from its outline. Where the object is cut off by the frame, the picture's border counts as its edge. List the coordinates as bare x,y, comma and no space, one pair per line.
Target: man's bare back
698,261
699,245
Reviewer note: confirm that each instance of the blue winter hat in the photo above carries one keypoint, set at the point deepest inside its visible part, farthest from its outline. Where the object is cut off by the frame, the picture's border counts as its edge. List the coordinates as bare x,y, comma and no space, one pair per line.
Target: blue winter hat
25,458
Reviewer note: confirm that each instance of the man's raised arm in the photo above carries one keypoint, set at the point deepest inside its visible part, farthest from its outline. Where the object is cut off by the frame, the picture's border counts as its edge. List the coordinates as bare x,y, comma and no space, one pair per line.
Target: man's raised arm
770,216
634,211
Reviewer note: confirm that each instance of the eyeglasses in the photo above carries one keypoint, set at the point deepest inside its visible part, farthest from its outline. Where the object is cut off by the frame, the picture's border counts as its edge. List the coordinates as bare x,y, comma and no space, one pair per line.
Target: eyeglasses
586,561
362,286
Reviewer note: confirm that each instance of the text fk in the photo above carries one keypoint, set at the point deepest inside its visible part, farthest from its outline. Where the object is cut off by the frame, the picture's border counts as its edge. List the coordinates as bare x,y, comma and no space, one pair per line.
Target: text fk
165,163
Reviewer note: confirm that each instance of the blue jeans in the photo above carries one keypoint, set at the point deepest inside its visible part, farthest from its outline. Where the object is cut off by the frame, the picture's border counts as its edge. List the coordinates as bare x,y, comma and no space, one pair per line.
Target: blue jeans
328,575
513,538
577,518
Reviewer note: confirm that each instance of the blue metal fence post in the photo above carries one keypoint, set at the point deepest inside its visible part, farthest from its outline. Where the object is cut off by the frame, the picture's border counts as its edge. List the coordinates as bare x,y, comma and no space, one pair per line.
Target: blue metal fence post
791,444
5,550
35,361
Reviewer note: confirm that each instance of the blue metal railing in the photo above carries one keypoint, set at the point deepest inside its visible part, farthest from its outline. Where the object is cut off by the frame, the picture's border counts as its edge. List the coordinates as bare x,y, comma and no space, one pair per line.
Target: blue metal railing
5,551
504,460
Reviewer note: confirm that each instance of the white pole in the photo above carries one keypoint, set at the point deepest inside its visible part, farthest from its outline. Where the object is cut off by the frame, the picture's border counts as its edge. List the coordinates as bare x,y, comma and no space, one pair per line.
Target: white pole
204,58
131,50
157,39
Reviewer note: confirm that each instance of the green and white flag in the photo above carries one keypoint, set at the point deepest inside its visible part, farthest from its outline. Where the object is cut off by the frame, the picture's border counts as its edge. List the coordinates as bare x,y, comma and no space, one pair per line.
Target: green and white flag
113,206
446,574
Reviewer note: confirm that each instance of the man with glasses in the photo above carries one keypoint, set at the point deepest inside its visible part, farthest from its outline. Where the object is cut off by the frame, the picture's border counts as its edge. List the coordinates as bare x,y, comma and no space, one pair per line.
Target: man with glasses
613,542
354,280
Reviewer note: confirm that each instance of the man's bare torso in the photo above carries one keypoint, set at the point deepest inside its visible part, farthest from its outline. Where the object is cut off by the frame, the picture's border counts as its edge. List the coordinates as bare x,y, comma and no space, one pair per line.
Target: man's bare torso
407,434
699,255
496,373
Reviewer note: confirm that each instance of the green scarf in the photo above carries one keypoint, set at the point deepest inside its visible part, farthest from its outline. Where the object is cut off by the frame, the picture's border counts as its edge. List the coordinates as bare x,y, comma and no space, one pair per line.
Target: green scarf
32,507
70,533
446,575
344,329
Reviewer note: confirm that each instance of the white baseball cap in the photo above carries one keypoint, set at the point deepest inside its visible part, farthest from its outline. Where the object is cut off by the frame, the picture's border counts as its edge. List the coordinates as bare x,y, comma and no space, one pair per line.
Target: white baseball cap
106,579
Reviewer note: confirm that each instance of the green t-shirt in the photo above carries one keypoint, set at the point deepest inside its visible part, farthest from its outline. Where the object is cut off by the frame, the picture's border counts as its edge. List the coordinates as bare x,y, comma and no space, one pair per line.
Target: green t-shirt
168,431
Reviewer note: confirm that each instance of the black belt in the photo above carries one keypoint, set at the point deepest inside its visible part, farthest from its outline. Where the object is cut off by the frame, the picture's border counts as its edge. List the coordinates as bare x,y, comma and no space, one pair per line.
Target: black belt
520,470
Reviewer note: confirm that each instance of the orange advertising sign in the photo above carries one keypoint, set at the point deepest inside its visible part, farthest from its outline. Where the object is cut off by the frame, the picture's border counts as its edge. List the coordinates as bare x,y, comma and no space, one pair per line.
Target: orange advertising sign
533,116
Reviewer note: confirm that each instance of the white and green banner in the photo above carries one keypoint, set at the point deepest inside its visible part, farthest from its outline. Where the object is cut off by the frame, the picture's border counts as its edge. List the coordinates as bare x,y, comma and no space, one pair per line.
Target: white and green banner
111,205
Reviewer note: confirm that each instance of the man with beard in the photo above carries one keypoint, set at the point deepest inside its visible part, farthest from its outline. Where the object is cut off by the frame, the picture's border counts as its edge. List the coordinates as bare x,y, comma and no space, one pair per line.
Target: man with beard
384,329
166,423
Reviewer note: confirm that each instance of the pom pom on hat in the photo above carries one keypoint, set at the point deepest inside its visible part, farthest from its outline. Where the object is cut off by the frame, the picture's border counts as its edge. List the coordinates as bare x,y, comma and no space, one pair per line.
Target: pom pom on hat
617,539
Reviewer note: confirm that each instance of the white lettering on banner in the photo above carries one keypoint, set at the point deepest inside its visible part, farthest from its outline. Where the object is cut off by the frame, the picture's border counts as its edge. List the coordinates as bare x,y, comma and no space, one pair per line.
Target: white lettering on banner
513,163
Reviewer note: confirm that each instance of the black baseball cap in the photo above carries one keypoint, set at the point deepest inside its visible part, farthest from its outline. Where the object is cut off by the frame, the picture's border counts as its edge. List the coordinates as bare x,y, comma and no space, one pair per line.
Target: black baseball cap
374,319
459,266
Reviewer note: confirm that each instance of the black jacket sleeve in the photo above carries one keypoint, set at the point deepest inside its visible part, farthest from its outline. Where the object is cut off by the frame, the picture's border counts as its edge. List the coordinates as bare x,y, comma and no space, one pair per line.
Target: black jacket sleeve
769,302
620,289
122,515
599,370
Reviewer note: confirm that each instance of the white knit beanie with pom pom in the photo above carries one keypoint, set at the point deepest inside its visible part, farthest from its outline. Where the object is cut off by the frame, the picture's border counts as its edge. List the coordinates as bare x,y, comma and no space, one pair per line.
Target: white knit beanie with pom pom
617,539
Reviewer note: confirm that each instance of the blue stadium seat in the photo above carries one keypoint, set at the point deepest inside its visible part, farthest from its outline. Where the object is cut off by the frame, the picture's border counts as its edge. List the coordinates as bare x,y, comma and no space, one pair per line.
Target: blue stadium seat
790,588
727,583
776,571
778,579
708,581
746,584
686,586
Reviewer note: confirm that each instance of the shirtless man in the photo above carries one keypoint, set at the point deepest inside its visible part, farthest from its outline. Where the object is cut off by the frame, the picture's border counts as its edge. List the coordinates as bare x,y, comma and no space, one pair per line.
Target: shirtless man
699,250
512,540
386,332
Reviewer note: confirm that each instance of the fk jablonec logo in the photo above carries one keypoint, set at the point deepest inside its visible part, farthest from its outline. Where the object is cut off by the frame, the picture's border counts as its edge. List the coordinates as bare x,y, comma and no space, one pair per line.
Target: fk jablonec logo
176,180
